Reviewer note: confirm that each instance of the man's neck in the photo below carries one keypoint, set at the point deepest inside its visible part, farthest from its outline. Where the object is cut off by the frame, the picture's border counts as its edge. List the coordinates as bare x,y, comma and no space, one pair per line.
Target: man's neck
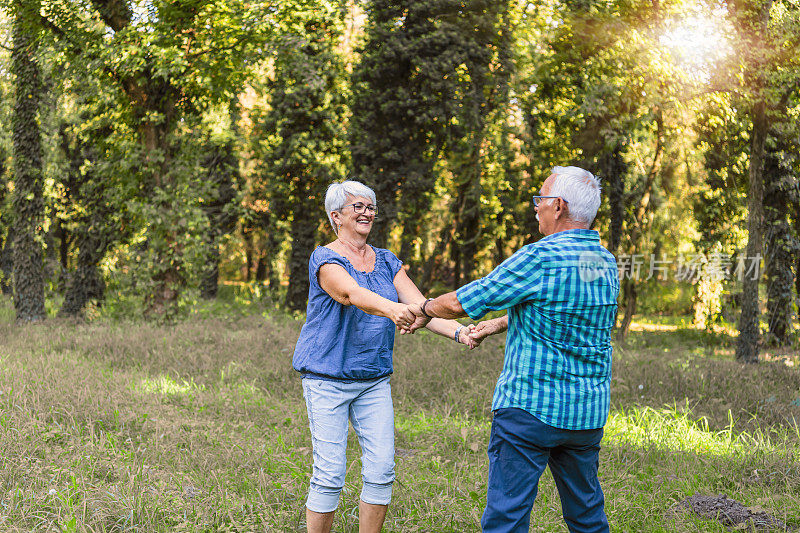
568,225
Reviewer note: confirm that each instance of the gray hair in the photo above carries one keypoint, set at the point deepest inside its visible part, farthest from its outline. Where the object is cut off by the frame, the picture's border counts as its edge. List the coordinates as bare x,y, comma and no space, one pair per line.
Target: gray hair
337,194
580,189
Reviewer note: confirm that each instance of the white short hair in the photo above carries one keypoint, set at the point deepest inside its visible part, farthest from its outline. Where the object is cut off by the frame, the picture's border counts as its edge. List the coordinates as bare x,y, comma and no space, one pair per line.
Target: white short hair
580,189
337,194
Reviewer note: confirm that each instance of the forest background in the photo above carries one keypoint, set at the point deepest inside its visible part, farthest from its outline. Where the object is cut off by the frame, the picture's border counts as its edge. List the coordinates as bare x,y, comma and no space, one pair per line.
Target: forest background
152,151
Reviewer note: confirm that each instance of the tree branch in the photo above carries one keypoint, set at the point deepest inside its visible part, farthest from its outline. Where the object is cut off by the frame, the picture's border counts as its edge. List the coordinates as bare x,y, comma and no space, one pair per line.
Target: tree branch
115,13
128,85
201,53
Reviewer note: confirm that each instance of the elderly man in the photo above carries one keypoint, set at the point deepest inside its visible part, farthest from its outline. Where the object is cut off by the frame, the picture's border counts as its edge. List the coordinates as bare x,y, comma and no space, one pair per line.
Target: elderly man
552,398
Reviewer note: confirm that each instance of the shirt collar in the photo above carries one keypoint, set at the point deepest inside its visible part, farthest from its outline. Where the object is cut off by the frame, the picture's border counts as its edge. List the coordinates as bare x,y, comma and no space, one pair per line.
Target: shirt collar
582,234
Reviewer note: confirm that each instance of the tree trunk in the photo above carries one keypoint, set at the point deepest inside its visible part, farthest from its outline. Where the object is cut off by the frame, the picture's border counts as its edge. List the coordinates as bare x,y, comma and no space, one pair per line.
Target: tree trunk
304,234
630,296
415,202
222,171
249,254
797,257
262,266
747,343
209,284
7,263
63,247
61,236
274,235
86,283
386,193
469,230
640,224
780,248
165,244
412,231
455,257
612,171
426,280
28,199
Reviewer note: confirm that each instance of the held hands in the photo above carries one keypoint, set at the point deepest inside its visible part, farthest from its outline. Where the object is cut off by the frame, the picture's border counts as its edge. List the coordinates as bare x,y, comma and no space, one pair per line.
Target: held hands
410,318
465,337
484,329
404,319
420,320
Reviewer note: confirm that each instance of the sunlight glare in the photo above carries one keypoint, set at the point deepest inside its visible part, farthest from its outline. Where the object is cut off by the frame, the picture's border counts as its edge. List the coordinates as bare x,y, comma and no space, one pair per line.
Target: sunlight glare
697,41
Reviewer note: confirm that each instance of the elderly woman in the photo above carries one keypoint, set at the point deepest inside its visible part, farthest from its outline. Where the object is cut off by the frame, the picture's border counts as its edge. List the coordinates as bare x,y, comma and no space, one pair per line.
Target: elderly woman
357,295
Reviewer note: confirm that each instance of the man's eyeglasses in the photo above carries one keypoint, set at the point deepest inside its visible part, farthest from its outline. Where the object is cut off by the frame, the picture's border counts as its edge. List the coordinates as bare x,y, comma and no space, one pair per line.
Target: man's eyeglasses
360,208
538,199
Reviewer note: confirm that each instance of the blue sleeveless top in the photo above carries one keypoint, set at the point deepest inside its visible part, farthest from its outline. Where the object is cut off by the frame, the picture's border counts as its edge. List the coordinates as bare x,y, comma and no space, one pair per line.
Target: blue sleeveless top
342,342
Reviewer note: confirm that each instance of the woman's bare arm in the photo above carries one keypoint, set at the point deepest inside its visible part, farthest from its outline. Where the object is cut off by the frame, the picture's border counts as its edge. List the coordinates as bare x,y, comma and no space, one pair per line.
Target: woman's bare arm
341,286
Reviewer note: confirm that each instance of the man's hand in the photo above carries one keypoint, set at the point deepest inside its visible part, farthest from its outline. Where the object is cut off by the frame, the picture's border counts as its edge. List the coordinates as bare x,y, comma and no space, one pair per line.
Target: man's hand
488,327
420,319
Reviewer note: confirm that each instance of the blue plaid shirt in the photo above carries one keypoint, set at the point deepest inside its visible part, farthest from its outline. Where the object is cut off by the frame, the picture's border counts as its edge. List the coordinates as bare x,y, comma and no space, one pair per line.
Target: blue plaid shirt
561,295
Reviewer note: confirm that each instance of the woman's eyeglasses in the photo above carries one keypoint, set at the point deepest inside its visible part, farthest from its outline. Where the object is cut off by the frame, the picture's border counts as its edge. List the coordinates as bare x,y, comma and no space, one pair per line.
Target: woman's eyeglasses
360,208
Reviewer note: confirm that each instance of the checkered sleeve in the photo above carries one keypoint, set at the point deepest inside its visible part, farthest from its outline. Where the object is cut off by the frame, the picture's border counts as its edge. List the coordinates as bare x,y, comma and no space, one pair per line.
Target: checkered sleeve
514,281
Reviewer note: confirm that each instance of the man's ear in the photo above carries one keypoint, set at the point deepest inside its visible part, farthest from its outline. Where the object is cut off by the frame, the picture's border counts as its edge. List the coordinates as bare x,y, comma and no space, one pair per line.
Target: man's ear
559,208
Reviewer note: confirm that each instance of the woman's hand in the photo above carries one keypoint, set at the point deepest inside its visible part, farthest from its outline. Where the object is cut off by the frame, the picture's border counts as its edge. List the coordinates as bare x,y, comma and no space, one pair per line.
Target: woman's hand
465,338
402,316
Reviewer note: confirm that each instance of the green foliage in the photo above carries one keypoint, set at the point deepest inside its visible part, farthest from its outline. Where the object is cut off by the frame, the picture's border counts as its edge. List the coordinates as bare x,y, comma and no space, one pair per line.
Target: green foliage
413,93
666,298
782,243
197,137
719,206
304,131
5,166
710,287
168,61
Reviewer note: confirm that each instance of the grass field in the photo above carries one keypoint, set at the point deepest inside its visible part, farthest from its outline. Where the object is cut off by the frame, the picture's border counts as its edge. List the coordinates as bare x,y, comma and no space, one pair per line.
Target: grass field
117,426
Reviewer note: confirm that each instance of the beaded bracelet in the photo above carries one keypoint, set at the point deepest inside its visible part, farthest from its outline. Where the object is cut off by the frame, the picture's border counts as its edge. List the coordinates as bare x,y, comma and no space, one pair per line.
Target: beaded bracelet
457,334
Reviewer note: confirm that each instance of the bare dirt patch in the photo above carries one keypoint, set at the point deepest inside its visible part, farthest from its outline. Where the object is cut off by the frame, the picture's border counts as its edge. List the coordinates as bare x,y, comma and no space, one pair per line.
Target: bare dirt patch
733,514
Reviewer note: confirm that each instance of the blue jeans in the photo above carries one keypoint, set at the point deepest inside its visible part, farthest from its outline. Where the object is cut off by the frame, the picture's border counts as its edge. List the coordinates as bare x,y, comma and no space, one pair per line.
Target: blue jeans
368,405
520,447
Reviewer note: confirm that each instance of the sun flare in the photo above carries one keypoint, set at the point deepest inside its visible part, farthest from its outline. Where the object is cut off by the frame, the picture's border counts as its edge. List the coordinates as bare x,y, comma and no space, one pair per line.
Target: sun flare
697,42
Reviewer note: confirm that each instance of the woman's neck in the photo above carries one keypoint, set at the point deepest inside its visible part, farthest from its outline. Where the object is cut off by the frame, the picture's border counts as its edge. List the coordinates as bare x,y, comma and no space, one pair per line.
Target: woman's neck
356,244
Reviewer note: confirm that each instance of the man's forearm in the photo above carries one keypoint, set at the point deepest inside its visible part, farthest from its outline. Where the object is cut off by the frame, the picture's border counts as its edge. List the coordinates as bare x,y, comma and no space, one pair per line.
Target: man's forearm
500,324
445,306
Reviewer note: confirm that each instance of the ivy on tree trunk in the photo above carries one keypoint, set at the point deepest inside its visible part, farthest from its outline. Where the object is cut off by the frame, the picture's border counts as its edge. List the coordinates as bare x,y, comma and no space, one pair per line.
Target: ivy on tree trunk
222,171
749,334
28,198
781,246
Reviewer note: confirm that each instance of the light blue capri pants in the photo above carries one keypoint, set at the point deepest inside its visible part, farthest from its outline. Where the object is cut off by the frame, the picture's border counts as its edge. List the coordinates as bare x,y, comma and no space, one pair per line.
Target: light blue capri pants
368,405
